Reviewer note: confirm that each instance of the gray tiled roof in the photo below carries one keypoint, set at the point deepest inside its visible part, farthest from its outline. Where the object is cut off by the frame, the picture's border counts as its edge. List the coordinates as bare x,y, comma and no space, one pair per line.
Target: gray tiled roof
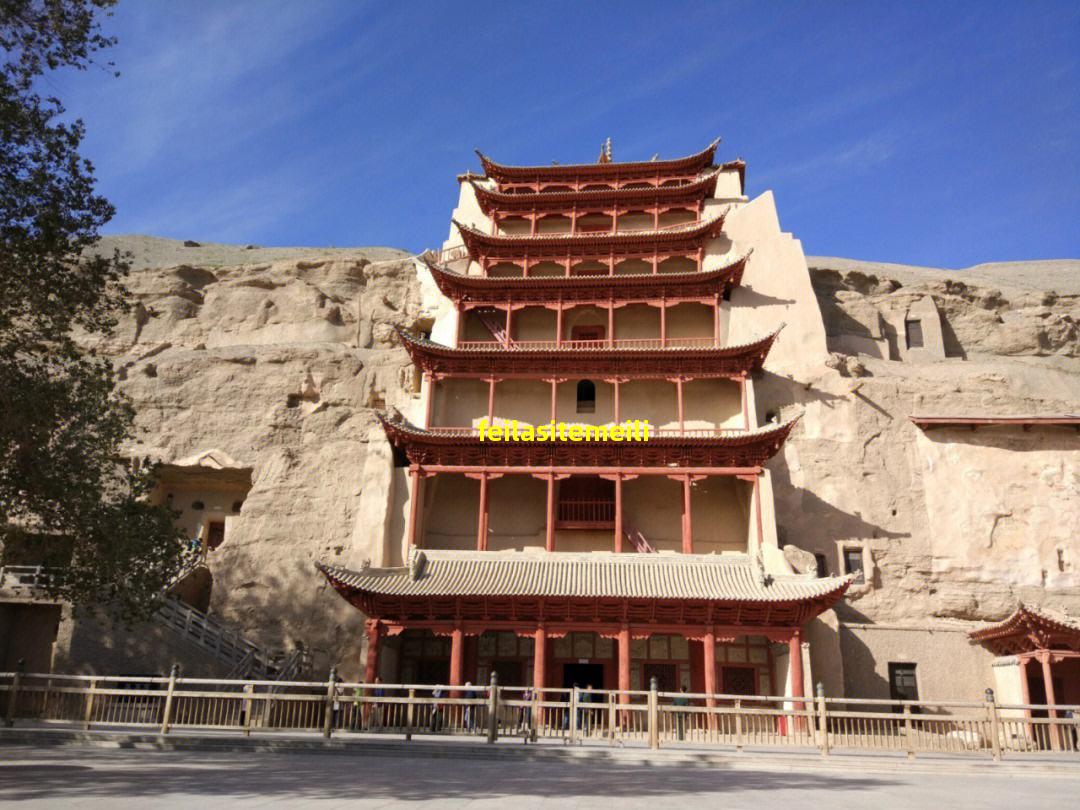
733,577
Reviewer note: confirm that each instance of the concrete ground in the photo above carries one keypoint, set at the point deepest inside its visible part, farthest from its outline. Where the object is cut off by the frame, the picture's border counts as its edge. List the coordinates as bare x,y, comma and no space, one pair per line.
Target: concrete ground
87,777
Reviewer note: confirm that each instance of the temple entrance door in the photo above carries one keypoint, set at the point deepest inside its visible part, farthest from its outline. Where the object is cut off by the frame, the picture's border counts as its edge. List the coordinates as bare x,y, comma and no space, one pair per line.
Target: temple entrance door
583,675
509,673
738,681
666,675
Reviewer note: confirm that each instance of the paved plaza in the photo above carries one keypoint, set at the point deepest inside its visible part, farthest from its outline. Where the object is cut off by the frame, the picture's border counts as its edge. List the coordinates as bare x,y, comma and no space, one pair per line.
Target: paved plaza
87,777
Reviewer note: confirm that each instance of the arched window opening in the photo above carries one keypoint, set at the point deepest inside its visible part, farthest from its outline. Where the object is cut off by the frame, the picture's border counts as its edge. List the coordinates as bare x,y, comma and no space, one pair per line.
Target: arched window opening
586,396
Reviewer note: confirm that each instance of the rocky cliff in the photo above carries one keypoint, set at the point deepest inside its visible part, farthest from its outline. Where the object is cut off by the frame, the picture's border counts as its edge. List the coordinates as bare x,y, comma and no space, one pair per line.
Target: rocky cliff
279,356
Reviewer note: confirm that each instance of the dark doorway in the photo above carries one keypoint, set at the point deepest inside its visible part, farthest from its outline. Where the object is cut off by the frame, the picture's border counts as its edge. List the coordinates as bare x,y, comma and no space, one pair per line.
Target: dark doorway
431,671
667,677
583,675
738,680
509,673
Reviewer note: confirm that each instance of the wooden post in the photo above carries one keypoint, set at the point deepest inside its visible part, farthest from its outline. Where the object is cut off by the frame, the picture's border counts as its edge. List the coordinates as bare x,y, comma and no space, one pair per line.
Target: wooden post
611,321
1051,701
457,659
823,725
414,505
738,726
371,663
612,719
654,715
328,709
663,321
539,673
709,645
88,714
618,410
549,531
558,325
618,503
688,524
909,732
482,516
429,404
493,708
13,695
409,715
491,400
573,713
509,323
795,665
716,321
679,398
995,734
167,714
248,705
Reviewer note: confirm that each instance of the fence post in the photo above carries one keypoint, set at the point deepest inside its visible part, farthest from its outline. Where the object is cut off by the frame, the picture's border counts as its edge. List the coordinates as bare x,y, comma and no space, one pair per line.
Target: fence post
328,709
174,673
654,724
13,695
738,726
534,717
573,713
248,705
909,732
88,714
612,719
493,708
995,738
409,716
823,724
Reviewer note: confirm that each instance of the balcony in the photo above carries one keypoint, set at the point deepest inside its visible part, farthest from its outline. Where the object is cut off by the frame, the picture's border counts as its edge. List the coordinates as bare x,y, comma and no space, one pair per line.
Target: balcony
587,345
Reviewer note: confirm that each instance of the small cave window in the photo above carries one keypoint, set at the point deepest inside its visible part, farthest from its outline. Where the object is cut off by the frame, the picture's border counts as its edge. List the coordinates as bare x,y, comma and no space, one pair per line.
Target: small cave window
853,564
822,565
586,396
292,401
902,682
914,334
198,506
237,506
215,534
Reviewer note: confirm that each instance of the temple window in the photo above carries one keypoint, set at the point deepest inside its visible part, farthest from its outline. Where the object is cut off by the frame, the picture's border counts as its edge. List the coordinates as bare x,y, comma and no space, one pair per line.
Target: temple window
914,334
586,396
853,564
902,682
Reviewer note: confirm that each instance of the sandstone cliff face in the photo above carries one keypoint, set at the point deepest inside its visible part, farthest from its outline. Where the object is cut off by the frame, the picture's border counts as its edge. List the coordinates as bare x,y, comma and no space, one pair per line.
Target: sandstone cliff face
959,524
279,364
278,358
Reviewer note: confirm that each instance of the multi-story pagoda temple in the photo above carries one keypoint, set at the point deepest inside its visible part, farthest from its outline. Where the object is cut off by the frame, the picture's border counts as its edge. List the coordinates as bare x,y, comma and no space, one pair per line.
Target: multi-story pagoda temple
594,295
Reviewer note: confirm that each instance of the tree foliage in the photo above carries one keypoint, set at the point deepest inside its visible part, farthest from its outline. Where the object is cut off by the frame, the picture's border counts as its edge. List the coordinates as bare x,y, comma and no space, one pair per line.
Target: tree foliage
68,498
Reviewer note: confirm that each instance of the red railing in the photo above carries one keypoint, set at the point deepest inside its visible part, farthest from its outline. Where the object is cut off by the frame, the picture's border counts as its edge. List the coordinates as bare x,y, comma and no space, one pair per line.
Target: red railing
654,432
619,343
600,514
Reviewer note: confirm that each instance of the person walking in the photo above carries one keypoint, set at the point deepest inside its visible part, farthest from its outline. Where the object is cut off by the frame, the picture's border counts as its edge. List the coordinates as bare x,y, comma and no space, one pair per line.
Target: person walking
680,717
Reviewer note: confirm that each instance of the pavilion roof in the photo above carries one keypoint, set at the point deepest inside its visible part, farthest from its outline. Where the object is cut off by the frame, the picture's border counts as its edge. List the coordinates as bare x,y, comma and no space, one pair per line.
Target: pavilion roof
731,361
1029,629
716,448
476,289
678,238
579,171
693,191
708,577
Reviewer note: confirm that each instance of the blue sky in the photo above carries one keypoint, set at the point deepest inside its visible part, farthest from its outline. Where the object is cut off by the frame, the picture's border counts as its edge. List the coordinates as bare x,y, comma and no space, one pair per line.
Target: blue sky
944,134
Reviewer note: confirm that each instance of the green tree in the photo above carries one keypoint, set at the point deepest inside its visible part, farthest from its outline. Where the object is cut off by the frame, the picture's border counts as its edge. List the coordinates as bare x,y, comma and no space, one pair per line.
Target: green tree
68,497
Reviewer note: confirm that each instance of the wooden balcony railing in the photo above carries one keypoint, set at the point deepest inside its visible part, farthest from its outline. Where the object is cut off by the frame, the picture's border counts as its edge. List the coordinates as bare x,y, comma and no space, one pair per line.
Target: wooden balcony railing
585,515
583,345
654,432
650,717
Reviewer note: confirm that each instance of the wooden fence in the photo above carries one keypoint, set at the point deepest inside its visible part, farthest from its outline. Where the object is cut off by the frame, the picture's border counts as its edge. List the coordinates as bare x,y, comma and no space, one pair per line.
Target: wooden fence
651,717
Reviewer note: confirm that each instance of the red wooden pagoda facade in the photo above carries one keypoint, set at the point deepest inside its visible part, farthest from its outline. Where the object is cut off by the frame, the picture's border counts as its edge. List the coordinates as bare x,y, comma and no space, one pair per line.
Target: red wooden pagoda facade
589,294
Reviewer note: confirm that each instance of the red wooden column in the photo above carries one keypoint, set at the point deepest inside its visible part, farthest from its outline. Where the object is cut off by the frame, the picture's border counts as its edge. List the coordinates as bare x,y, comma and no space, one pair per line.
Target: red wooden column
616,382
429,405
618,508
611,324
509,323
795,665
415,496
539,670
1051,699
482,517
371,665
554,396
491,399
663,324
687,522
624,663
457,659
716,320
745,402
1025,695
549,532
679,397
710,672
558,324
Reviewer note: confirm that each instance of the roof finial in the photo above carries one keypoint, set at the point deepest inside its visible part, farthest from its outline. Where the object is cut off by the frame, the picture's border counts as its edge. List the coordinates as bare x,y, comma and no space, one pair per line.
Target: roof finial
605,152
